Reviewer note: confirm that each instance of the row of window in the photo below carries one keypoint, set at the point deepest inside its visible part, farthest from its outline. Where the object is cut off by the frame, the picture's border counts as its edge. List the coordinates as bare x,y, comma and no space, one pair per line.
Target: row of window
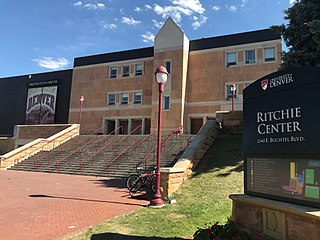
269,55
124,98
138,68
137,99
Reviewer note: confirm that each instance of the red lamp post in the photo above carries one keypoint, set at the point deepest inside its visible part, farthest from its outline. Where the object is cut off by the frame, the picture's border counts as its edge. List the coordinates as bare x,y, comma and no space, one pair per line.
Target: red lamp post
233,90
161,76
80,113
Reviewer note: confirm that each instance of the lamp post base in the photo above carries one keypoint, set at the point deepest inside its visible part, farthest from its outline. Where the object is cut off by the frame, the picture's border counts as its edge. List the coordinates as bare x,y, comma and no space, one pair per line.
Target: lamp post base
157,201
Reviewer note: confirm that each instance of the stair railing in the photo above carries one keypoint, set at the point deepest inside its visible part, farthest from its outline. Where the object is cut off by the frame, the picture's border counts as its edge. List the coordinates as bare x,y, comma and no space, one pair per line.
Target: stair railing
113,142
58,162
136,142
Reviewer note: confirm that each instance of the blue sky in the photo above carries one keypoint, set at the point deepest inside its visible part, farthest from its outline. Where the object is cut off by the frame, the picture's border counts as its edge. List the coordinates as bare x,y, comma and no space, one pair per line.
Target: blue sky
45,35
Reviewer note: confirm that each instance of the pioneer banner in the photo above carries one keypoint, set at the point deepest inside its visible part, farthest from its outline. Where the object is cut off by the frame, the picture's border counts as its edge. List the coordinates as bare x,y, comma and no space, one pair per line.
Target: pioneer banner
41,104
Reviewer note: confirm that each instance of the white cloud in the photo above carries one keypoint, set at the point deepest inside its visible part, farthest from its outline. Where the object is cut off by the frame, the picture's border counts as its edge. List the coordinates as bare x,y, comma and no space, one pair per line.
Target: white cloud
130,21
52,63
179,8
216,8
95,6
292,1
157,24
110,26
148,37
147,6
232,8
193,5
243,3
78,3
122,11
198,22
137,9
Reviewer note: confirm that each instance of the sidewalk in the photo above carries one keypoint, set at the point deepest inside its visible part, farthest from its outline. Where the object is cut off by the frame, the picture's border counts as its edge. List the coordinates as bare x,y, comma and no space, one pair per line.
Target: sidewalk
48,206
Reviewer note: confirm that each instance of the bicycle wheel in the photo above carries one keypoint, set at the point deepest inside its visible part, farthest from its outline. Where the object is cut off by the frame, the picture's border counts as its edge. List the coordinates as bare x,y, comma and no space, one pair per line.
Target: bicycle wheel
133,183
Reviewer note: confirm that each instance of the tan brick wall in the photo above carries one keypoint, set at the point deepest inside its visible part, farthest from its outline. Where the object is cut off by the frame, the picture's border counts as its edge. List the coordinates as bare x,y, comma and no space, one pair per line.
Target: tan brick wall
38,131
6,145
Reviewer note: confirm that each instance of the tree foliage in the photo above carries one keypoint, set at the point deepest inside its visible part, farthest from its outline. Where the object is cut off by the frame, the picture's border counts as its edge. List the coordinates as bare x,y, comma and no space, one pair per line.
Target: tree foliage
301,34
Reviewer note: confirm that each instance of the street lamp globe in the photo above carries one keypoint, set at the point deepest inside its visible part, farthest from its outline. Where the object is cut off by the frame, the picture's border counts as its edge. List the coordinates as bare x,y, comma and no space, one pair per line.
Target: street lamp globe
161,75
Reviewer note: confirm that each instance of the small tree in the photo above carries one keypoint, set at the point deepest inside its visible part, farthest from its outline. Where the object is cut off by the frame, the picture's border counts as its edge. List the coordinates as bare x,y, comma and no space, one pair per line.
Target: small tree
301,34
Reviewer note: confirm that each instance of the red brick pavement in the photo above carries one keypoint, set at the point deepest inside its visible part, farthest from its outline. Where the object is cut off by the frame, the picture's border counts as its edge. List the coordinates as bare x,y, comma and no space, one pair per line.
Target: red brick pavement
48,206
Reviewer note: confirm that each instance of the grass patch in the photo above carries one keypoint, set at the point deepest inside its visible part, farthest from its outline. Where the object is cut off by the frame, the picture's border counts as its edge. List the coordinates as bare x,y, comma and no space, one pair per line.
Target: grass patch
202,199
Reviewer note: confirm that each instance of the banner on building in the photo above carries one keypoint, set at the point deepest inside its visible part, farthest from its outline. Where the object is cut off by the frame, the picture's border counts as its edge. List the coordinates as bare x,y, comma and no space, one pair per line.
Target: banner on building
41,104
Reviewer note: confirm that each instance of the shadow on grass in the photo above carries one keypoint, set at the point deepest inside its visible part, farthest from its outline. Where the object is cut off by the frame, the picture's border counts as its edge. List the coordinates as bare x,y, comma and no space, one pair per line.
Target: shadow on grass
226,151
116,236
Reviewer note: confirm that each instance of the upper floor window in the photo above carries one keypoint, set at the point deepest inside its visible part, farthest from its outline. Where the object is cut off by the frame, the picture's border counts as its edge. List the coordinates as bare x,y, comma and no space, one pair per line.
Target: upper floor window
111,99
137,98
139,69
229,92
124,98
250,56
166,104
167,65
269,54
231,59
113,72
125,71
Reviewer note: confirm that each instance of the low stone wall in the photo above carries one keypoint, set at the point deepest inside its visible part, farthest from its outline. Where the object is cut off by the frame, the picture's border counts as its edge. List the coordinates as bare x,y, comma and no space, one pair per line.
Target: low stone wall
40,144
232,121
171,178
275,219
6,144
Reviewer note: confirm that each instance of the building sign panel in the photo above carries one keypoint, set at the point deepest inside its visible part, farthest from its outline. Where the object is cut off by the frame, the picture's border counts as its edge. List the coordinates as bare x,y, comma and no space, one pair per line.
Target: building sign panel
281,136
41,103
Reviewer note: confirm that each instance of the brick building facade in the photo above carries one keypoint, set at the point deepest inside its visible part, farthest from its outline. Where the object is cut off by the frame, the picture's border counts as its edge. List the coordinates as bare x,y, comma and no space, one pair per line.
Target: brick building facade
120,88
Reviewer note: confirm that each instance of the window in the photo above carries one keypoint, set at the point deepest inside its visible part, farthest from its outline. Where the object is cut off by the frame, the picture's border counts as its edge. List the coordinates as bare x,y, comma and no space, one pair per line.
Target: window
125,71
250,56
111,99
231,59
113,72
166,104
139,69
229,92
167,65
269,54
137,98
124,98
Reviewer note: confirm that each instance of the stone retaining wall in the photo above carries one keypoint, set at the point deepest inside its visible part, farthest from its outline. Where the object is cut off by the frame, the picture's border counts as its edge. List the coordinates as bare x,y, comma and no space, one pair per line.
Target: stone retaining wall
171,178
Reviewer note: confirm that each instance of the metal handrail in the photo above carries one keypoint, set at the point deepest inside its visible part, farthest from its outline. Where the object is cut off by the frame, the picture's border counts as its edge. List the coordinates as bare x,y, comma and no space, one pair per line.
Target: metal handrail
88,159
58,162
154,148
36,161
126,150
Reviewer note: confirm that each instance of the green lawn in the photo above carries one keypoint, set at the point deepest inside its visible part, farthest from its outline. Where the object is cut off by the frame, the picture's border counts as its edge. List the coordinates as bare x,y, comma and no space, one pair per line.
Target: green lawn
202,198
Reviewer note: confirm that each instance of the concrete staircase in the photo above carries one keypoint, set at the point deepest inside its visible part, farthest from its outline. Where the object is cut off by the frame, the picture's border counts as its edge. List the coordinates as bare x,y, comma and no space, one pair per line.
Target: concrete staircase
110,156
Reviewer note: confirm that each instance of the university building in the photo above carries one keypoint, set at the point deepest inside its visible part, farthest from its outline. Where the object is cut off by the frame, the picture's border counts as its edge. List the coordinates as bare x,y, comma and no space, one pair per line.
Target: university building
120,87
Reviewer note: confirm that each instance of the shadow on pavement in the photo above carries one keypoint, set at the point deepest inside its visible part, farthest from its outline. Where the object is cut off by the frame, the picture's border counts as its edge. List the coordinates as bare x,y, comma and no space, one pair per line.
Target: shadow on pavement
84,199
116,236
112,182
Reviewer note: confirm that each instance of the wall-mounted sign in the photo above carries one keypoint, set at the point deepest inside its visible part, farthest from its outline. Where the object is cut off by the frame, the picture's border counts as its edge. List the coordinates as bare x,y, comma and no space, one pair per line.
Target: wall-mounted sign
281,136
41,103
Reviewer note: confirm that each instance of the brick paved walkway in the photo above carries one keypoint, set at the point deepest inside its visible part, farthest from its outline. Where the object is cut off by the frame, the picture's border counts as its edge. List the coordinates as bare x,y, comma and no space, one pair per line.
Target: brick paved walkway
48,206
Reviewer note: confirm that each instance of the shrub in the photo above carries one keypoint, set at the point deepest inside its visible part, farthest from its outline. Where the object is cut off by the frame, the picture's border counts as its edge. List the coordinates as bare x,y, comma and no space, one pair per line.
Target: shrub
228,231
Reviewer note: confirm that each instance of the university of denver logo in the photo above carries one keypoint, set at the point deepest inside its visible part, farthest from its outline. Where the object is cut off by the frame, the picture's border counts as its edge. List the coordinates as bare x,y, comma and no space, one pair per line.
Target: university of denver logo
264,84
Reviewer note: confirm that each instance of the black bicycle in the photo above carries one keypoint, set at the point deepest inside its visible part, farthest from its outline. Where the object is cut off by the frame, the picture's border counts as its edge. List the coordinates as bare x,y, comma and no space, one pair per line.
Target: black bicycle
141,181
